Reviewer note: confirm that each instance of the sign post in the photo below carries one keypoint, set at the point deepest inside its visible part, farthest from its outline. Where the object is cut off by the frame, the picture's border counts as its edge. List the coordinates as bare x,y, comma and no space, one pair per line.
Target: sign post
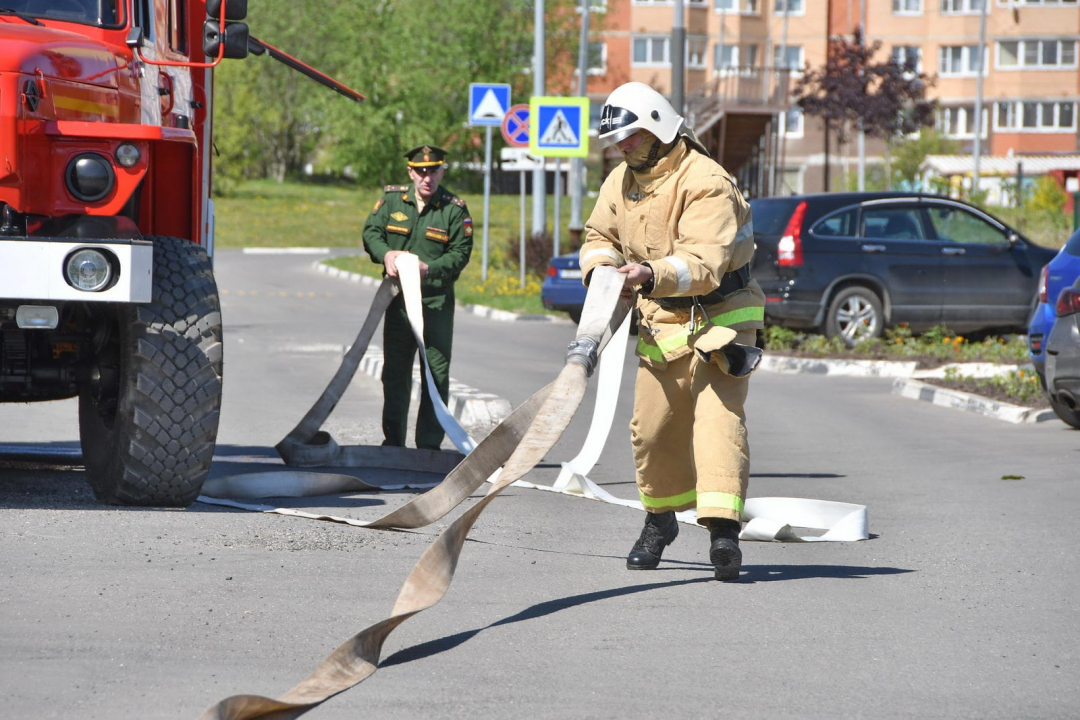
518,158
558,127
515,130
488,103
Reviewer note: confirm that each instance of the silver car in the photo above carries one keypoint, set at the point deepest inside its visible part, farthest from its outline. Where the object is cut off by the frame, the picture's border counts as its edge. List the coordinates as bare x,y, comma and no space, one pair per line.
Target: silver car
1063,357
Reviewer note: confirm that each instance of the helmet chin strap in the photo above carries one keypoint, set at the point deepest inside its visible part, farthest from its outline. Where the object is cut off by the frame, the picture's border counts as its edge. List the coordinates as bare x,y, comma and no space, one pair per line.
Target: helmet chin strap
656,152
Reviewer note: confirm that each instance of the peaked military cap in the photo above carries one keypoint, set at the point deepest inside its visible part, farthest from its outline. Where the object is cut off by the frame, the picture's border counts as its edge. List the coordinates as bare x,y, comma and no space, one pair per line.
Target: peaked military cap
425,156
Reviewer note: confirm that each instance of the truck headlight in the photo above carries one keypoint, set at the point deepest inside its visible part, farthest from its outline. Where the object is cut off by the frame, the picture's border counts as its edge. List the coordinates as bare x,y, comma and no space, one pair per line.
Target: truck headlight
88,270
128,155
90,177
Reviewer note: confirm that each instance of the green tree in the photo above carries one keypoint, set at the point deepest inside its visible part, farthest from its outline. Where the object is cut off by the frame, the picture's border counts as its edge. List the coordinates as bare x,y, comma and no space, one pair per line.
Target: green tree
908,155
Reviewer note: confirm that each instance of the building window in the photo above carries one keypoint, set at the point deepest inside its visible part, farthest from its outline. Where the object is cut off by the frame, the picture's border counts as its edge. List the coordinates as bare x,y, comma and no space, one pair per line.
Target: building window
597,58
961,7
695,51
789,57
958,60
795,7
1037,3
1045,54
959,121
1027,116
907,56
907,7
745,7
667,2
730,58
793,122
651,49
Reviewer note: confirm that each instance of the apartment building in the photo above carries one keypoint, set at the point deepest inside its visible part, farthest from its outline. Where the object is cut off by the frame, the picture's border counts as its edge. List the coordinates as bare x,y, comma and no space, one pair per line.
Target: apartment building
743,57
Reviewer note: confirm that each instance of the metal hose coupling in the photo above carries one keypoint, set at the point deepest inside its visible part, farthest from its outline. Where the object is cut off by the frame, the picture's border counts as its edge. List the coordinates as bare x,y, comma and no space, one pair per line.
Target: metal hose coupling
583,351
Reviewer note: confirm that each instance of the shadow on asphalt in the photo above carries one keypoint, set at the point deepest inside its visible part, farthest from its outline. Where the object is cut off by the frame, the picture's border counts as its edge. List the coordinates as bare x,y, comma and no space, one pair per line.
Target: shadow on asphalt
550,607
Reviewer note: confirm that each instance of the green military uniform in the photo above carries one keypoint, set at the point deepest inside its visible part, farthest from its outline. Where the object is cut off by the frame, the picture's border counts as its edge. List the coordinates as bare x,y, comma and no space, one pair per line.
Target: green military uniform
440,235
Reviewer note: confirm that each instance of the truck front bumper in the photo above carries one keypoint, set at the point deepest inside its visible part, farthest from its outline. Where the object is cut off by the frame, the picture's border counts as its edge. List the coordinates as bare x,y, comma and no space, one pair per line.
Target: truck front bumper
34,267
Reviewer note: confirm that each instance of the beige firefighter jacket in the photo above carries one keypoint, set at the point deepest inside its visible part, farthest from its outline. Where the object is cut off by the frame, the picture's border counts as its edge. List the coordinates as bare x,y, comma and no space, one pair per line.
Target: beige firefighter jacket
686,218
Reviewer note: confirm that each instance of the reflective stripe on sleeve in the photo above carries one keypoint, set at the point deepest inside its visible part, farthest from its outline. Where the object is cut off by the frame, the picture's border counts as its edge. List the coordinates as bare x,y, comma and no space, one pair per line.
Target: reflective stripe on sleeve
606,252
719,501
682,273
669,502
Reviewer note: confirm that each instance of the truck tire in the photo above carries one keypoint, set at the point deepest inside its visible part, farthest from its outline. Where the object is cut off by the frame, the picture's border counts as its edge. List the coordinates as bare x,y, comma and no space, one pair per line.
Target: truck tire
148,435
854,314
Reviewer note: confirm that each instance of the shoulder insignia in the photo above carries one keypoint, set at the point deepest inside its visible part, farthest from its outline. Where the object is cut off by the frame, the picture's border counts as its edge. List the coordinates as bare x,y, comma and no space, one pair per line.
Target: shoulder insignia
457,201
397,188
378,204
399,216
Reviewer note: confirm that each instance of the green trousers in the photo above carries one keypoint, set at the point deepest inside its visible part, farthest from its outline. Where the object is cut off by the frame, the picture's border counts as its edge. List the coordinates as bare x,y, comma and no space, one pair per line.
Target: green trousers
399,352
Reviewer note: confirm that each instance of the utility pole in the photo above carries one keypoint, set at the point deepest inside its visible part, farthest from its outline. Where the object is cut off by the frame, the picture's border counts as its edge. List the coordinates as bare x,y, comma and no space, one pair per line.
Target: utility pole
862,131
678,59
577,165
539,219
977,151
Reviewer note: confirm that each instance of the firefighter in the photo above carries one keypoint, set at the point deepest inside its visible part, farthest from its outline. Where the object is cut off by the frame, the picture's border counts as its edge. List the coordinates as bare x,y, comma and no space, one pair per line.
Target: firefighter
674,223
429,221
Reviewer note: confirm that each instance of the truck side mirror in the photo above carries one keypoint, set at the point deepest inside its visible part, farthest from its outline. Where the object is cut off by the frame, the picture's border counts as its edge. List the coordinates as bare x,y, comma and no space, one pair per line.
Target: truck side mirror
234,36
234,9
134,38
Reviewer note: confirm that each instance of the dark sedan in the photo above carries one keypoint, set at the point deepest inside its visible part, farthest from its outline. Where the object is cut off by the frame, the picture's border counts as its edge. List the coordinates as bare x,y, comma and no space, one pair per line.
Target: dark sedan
1063,357
852,264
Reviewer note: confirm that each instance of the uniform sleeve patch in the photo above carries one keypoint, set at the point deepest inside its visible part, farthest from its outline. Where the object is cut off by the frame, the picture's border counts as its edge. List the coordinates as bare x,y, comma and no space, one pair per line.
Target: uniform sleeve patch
397,229
467,223
378,204
439,234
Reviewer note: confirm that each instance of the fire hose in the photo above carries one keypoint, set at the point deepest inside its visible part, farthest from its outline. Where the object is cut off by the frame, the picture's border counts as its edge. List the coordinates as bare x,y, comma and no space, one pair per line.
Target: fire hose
502,458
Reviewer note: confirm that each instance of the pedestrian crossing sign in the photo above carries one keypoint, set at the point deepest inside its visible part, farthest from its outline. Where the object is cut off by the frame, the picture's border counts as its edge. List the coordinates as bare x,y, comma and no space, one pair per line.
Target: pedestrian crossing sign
559,126
488,103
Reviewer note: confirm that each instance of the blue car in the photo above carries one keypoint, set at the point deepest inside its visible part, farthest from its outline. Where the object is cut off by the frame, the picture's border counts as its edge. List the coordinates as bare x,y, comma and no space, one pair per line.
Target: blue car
563,289
1059,273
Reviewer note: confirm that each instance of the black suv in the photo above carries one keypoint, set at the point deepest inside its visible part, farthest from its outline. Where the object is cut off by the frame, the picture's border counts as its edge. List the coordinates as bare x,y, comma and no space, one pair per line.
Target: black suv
850,264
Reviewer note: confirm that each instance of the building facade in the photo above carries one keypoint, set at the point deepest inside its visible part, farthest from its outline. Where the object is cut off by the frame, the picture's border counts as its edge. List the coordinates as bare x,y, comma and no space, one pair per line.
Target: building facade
743,57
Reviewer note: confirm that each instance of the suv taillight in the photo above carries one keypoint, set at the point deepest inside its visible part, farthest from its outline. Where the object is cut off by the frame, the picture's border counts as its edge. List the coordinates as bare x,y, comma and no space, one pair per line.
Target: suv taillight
1043,277
789,251
1068,303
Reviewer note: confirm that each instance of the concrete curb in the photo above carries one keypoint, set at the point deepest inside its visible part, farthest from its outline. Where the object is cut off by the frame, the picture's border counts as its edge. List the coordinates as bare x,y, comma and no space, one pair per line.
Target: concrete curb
916,390
469,406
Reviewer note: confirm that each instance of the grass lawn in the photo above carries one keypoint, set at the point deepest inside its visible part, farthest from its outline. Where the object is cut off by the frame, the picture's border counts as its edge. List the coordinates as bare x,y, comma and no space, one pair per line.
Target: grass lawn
268,214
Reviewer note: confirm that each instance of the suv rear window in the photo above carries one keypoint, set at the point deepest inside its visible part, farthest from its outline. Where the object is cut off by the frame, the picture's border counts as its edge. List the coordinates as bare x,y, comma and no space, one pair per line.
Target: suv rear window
841,224
772,214
1072,246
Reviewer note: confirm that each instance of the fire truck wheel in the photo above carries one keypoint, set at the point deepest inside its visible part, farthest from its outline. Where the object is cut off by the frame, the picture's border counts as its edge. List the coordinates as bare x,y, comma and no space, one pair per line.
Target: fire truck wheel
148,418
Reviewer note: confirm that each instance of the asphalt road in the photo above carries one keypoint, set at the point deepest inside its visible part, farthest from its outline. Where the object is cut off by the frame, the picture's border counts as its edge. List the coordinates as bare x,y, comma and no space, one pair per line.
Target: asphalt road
962,604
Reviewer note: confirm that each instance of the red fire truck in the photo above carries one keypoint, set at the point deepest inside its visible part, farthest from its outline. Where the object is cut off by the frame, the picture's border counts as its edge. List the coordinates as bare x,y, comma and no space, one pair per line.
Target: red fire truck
107,291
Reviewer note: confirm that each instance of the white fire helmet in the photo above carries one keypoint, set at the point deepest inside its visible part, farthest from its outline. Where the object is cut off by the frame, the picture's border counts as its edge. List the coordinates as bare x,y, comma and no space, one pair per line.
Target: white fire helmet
636,106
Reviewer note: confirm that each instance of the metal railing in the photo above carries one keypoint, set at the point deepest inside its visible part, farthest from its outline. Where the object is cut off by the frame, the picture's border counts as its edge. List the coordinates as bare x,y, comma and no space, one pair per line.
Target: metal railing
745,88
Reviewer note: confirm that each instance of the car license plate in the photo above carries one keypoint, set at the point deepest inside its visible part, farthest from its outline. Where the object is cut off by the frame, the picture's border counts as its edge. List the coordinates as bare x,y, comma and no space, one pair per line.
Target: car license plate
570,274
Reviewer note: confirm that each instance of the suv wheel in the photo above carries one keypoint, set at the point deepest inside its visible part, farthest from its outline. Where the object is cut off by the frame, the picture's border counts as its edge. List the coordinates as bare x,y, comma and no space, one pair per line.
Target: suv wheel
855,314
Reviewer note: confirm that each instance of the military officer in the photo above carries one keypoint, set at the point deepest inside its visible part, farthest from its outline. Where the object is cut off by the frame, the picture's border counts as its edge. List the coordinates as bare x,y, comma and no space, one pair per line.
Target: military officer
429,221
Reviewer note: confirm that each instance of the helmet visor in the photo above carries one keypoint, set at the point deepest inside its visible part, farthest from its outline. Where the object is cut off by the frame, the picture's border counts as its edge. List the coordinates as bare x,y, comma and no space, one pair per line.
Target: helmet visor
616,124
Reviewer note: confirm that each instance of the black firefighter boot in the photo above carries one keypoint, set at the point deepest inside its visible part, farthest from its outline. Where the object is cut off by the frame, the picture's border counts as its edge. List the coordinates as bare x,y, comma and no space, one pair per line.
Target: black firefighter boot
660,530
724,552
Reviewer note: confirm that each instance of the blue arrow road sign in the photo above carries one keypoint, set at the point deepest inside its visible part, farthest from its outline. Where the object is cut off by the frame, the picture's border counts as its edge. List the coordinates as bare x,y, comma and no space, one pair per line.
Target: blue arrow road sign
488,103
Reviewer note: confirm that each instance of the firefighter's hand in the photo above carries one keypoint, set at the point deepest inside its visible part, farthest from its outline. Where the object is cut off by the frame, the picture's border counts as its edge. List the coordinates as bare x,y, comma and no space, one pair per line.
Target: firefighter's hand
636,274
391,266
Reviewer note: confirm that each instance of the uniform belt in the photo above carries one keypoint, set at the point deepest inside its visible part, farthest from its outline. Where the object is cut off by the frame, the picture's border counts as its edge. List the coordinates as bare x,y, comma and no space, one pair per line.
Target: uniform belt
732,281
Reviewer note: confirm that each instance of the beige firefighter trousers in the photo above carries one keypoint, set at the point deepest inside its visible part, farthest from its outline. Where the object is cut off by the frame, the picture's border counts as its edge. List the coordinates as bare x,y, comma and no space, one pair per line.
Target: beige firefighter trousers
689,437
